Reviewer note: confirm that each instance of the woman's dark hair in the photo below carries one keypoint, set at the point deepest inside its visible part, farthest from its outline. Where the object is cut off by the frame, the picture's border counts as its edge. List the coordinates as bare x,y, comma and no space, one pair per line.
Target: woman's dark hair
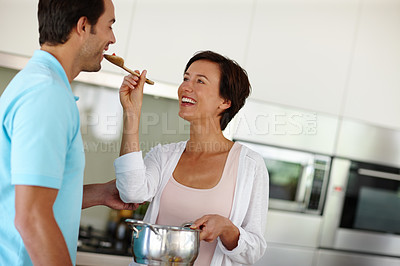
234,83
58,17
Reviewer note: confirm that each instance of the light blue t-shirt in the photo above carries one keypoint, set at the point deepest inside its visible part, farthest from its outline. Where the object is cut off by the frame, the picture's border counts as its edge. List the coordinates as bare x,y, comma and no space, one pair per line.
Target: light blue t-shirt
40,145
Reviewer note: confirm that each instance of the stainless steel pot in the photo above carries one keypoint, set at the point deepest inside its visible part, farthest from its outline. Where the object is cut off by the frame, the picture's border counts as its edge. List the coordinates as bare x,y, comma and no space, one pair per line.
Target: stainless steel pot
164,245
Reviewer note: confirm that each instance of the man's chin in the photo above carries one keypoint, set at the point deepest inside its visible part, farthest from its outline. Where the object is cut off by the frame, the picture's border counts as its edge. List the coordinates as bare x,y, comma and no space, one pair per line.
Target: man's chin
92,69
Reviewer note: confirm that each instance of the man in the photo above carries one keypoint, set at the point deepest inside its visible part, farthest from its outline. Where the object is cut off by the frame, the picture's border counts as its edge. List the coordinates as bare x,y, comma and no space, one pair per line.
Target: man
41,156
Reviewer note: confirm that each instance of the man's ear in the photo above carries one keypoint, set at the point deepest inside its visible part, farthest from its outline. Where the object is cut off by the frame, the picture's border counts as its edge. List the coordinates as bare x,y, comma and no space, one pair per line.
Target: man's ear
82,26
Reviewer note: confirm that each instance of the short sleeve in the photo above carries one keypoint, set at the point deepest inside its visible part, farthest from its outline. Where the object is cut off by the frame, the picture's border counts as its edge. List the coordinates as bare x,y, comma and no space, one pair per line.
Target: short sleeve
42,129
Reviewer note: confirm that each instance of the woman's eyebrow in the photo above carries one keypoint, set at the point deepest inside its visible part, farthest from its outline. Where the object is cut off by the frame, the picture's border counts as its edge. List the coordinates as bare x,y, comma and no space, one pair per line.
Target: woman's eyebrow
203,76
198,75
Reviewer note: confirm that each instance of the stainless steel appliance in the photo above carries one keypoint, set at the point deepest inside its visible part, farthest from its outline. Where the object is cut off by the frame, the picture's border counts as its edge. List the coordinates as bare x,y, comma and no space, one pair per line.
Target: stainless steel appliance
362,212
298,179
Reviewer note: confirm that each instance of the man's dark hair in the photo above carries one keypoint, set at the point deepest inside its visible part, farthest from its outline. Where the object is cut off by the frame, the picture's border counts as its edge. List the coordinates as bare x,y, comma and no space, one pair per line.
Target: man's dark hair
58,17
234,83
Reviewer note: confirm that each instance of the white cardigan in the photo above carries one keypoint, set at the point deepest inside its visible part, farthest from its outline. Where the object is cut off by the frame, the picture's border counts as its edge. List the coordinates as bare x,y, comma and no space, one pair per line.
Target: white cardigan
141,180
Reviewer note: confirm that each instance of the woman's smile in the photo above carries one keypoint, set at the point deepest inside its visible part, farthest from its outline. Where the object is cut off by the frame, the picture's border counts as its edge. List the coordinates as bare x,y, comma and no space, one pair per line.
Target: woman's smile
187,101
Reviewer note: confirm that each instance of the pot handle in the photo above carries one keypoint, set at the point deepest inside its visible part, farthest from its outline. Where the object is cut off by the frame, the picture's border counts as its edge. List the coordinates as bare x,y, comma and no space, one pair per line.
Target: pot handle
133,223
188,224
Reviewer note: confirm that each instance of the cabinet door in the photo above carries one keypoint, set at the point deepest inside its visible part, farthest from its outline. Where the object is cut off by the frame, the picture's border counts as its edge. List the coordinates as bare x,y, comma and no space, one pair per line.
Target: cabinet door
335,258
300,51
294,128
284,255
19,27
20,30
165,34
374,85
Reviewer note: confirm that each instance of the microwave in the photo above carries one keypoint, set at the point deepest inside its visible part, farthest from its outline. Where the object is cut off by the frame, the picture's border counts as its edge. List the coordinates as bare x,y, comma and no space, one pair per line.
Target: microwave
297,179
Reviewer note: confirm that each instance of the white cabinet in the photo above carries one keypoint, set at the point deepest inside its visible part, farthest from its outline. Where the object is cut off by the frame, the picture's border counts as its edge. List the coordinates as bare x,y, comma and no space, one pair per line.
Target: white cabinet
334,258
286,127
282,255
292,239
362,142
165,34
20,31
337,57
291,228
374,85
300,51
98,259
19,27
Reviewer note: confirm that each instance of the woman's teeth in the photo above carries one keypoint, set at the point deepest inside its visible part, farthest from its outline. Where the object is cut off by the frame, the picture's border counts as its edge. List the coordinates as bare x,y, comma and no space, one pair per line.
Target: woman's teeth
188,100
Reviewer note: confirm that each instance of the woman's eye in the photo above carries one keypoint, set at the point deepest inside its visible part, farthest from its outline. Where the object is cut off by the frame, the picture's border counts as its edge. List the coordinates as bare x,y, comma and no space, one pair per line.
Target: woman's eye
185,79
200,81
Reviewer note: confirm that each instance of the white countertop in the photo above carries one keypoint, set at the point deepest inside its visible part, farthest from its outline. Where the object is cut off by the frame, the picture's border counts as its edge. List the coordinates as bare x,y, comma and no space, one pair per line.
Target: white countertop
97,259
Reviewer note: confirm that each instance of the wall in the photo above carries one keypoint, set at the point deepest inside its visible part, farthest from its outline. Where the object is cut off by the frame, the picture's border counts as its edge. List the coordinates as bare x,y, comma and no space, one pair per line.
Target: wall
6,76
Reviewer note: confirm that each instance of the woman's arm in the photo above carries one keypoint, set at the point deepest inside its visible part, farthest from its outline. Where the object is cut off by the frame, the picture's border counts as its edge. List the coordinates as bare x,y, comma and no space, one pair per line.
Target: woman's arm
213,226
133,182
252,203
138,178
131,97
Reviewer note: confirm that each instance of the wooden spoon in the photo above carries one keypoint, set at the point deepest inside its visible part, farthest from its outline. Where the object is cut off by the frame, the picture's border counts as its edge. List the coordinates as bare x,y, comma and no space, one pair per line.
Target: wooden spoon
119,61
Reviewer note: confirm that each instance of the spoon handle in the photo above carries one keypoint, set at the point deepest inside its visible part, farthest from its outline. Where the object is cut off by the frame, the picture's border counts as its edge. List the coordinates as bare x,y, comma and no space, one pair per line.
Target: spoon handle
136,74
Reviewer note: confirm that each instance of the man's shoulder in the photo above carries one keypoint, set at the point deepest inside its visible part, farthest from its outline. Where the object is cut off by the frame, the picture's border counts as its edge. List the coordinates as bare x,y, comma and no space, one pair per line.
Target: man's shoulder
34,77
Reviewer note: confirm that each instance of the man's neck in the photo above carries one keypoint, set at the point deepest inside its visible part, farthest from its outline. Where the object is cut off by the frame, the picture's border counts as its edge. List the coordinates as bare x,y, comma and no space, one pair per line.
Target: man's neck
66,56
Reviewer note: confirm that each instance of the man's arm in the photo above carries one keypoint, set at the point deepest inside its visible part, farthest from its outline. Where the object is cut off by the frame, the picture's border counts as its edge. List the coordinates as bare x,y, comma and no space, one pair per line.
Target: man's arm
104,194
34,220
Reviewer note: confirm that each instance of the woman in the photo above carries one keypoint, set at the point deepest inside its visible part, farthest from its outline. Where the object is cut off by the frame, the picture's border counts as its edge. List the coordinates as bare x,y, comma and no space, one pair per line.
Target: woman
220,185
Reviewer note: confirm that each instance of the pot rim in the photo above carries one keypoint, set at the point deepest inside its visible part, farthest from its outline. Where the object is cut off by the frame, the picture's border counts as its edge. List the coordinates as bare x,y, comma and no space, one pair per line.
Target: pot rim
135,222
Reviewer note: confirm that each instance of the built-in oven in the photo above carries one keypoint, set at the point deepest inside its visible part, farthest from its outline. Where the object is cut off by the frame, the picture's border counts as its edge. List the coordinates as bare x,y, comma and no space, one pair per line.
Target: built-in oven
362,210
298,179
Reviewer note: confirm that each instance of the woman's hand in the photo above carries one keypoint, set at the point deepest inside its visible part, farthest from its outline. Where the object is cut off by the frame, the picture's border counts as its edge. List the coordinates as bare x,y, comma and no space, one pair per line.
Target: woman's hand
131,92
213,226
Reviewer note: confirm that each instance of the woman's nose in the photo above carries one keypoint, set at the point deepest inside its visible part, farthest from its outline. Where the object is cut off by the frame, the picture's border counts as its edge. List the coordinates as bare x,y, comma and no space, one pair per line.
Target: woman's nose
186,86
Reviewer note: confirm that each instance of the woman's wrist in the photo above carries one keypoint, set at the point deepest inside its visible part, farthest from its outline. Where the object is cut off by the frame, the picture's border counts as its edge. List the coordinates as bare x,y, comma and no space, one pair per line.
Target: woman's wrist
132,112
230,235
131,122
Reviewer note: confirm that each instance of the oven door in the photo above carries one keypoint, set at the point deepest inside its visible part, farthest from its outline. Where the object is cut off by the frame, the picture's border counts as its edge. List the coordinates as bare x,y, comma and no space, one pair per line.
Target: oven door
288,184
362,209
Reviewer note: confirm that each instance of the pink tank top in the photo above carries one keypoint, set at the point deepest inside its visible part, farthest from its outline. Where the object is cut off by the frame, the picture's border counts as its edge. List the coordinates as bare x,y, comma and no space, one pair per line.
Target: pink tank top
180,204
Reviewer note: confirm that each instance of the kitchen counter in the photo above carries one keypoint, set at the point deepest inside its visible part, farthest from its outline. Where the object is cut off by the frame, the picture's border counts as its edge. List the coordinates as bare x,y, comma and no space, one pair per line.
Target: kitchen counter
97,259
